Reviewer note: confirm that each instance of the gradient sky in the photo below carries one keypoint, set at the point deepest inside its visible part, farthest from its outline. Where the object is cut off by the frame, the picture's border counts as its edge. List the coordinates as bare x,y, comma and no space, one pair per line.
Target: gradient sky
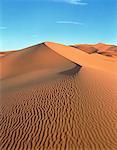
28,22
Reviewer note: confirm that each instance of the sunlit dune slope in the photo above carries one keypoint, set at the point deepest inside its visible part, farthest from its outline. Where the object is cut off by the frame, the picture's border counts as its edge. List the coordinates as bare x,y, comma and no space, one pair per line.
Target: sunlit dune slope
84,59
86,48
107,50
100,48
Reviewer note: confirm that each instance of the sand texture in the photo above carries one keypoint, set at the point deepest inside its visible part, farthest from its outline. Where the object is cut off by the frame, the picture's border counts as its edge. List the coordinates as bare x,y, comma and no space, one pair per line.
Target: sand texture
100,48
56,97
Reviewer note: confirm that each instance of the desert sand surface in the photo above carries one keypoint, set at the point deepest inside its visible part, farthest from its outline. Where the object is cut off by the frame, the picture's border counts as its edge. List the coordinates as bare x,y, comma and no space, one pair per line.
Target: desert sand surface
86,48
56,97
100,48
84,59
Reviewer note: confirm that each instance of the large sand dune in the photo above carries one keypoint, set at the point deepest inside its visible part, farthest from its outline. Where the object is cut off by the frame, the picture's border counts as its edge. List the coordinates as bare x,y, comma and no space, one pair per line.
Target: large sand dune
80,57
58,97
36,58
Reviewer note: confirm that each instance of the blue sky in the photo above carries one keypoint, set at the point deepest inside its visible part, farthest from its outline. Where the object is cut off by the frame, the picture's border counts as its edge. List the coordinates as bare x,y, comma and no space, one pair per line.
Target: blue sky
28,22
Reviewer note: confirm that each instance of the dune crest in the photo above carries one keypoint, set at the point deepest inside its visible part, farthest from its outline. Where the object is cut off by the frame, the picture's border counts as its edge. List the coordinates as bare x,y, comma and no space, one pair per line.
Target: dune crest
33,59
56,97
83,58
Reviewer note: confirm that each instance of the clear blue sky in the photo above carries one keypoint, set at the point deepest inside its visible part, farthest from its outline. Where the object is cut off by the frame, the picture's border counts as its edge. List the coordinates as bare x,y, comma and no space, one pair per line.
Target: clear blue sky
28,22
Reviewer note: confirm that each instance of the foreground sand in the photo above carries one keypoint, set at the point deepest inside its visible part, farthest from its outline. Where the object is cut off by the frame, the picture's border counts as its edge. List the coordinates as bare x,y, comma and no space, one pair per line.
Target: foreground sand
68,107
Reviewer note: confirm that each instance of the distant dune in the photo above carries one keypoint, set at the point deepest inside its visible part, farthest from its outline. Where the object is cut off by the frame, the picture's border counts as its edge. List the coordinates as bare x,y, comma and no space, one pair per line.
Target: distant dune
2,54
57,97
100,48
86,48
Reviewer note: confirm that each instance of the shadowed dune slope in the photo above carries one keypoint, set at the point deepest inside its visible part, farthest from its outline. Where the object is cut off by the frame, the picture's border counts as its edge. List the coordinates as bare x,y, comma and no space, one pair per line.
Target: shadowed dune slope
3,54
39,58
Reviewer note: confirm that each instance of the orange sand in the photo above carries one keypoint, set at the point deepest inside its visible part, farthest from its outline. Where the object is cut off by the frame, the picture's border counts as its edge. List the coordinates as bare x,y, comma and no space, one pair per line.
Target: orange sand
58,97
100,48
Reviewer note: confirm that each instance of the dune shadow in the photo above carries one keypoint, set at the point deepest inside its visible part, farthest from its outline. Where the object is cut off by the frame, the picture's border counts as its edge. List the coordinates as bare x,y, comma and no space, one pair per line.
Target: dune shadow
72,71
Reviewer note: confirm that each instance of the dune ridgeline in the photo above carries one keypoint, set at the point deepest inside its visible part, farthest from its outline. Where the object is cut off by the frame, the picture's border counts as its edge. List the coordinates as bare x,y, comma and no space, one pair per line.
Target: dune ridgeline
57,97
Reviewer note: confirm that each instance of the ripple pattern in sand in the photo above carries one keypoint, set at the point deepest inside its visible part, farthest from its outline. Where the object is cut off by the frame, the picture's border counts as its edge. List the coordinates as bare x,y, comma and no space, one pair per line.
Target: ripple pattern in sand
69,113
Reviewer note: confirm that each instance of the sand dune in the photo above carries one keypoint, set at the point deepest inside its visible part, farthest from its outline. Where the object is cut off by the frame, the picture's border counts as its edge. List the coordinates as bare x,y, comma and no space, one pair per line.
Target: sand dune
2,54
86,47
56,97
33,59
85,59
100,48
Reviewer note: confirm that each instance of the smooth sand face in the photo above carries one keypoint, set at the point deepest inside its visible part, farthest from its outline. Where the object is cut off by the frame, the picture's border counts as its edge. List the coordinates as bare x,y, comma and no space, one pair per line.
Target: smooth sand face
39,58
84,59
73,107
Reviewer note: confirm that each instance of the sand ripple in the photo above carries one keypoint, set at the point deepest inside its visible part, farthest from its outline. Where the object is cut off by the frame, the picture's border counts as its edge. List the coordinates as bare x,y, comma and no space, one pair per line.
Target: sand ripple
75,112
